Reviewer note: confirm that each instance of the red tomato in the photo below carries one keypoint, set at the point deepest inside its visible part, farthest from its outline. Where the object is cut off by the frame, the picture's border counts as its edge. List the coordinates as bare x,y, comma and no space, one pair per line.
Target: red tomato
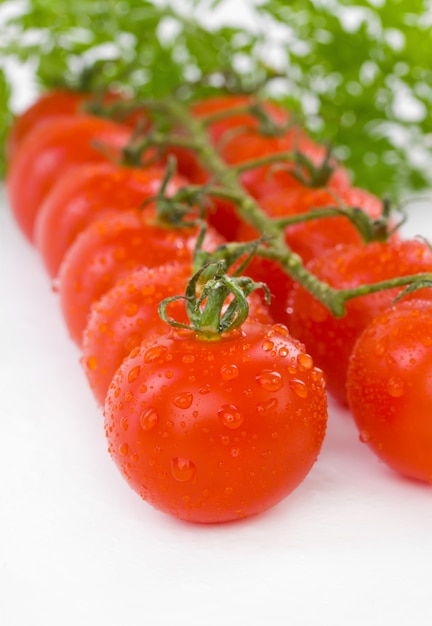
128,314
390,391
51,150
59,102
86,193
330,340
109,249
213,431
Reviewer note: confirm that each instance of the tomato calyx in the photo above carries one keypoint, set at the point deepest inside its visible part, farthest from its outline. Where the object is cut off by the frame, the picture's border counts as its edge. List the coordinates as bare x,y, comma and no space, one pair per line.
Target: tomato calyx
215,302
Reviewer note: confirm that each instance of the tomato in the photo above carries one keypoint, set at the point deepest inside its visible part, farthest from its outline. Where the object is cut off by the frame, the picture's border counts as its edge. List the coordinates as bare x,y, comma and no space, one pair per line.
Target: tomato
330,340
49,151
213,431
390,391
84,194
109,249
59,102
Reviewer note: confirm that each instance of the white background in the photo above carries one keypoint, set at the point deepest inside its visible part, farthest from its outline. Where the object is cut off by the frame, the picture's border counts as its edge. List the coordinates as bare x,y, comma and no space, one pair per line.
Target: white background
352,546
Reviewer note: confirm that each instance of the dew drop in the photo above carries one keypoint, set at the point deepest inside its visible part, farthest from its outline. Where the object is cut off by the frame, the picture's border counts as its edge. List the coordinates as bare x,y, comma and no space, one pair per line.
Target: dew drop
283,351
395,387
92,363
182,469
225,440
234,452
188,358
266,407
205,389
155,353
229,372
128,396
364,436
267,345
230,416
269,380
148,419
183,400
305,361
299,388
123,448
124,424
130,309
133,373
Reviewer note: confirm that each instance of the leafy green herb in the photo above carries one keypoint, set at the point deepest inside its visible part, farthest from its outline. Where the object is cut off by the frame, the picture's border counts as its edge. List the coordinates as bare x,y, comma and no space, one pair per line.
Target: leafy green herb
359,75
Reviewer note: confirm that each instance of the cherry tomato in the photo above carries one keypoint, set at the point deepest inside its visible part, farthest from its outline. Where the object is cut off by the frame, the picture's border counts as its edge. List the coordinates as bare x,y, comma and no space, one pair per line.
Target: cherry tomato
109,249
390,390
330,340
49,151
84,194
213,431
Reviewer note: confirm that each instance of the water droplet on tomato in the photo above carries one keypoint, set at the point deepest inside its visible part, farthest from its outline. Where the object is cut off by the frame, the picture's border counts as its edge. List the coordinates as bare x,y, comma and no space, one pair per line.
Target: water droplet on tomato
92,363
133,373
154,353
266,407
299,388
182,469
269,380
148,419
229,372
188,358
280,329
395,387
426,341
364,436
224,440
234,452
267,345
130,309
183,400
230,416
228,491
305,361
381,346
205,389
124,423
283,351
123,448
128,396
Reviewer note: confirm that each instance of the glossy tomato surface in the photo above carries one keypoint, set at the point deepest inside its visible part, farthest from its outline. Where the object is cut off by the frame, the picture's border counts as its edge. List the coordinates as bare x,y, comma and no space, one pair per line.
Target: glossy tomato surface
390,388
330,340
86,193
49,151
109,249
213,431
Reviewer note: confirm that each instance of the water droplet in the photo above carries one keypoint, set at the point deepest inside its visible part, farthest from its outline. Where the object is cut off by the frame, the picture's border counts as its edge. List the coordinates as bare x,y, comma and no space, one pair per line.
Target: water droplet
133,373
305,361
283,351
128,396
204,389
426,341
269,380
188,358
364,436
279,329
92,363
228,491
381,346
299,388
395,387
148,419
143,388
267,345
182,469
266,407
154,353
183,400
123,448
124,423
230,416
224,440
130,309
229,372
234,452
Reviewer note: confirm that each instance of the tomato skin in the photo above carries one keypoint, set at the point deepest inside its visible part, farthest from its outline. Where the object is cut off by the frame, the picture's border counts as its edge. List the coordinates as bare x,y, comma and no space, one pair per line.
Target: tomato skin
214,431
52,149
330,340
109,249
390,390
86,193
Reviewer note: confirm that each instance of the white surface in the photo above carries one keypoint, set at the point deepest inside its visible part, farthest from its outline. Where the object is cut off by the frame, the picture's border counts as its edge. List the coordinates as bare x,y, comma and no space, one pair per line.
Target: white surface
351,546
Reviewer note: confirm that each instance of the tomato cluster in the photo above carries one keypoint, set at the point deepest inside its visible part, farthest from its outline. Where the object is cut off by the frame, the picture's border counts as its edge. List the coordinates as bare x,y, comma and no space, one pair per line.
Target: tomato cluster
210,416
